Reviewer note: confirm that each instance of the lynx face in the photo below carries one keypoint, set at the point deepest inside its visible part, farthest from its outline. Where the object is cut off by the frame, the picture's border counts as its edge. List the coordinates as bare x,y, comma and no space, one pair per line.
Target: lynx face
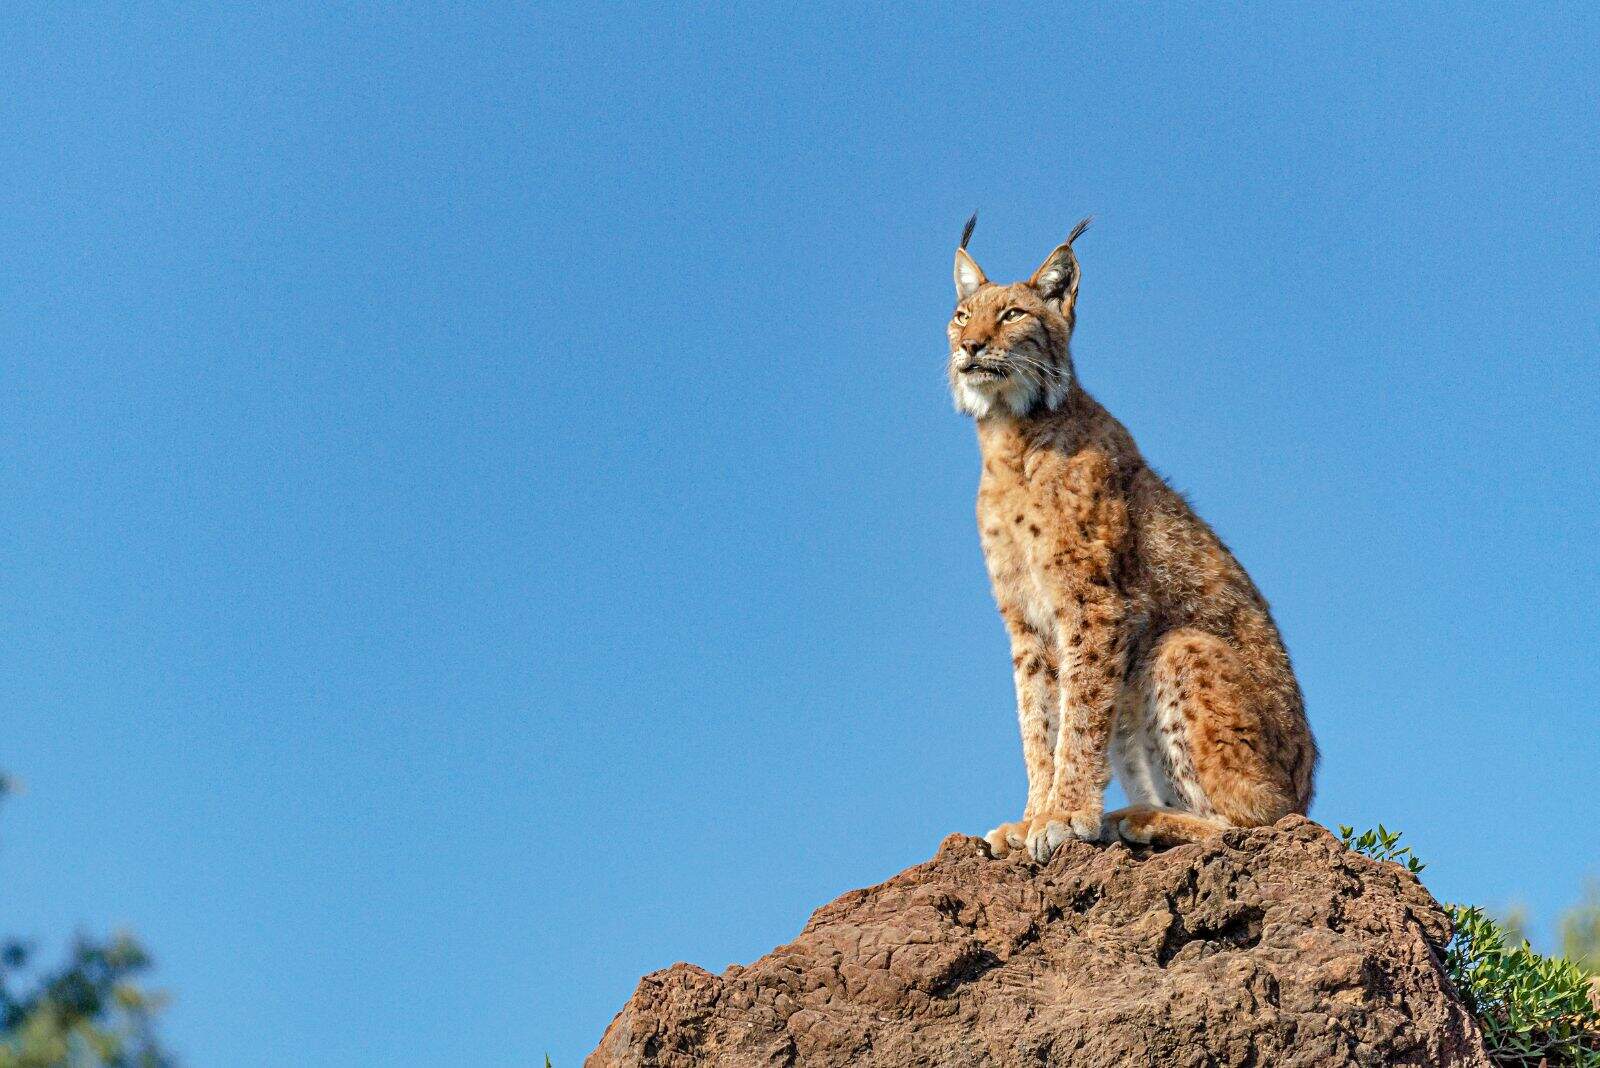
1009,344
1008,349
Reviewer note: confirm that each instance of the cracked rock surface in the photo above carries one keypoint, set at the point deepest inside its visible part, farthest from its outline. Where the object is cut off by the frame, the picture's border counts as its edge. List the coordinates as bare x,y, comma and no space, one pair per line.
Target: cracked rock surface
1271,946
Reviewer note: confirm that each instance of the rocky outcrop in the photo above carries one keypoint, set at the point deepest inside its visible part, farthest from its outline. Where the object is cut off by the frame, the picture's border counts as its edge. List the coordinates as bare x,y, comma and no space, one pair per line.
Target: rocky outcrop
1272,946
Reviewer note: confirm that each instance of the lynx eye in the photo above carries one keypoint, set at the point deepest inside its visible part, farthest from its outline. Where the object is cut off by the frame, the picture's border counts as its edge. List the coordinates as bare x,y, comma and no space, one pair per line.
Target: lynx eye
1011,315
960,318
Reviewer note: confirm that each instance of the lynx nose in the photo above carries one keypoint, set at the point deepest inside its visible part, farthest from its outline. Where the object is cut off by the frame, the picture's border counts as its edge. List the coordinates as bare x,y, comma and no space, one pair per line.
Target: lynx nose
972,347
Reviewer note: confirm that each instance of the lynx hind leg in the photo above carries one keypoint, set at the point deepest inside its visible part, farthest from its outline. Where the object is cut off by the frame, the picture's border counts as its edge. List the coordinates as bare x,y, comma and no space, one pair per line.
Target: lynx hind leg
1221,753
1149,825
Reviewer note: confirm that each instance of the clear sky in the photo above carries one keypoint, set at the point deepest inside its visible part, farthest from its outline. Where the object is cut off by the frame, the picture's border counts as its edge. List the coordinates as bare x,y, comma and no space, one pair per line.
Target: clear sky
483,517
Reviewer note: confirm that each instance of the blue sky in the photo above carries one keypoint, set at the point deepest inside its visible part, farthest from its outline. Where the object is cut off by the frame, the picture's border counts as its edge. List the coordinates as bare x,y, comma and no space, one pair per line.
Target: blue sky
484,519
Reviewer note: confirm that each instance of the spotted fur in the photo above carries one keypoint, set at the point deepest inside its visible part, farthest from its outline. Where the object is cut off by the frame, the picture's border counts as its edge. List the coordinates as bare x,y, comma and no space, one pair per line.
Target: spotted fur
1139,644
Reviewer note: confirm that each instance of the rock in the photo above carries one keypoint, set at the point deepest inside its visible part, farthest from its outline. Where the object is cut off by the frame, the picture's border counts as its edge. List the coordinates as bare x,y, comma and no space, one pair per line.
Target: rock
1271,946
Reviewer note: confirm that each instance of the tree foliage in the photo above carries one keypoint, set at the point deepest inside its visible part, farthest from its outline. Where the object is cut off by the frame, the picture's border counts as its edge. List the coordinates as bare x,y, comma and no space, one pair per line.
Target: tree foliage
1580,930
87,1013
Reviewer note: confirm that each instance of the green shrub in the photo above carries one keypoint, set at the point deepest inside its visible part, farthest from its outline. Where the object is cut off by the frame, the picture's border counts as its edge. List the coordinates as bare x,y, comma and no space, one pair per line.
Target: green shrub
1381,844
1534,1010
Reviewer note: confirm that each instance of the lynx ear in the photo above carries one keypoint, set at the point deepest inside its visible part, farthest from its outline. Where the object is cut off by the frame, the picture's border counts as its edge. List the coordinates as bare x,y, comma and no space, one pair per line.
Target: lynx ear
969,276
1057,277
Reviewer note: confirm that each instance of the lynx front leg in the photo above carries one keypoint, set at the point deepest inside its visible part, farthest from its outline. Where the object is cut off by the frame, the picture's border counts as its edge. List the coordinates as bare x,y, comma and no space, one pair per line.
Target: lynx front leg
1034,667
1092,648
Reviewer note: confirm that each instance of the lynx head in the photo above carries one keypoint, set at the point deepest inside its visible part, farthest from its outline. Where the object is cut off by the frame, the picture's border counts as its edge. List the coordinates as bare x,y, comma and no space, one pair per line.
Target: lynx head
1008,343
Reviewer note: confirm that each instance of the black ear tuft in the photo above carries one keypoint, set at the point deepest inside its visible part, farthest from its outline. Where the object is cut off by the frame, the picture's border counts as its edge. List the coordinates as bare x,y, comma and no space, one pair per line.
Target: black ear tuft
1057,276
966,234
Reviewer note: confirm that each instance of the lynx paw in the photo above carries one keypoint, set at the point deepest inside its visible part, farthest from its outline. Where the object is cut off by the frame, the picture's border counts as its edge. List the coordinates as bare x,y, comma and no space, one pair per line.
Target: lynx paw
1050,830
1007,837
1135,830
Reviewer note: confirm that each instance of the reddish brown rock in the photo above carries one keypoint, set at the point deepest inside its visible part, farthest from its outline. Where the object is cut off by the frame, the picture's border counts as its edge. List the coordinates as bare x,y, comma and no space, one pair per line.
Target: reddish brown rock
1273,946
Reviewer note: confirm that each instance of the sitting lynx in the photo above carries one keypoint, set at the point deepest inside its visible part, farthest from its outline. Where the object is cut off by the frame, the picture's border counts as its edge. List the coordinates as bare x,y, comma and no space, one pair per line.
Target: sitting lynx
1138,642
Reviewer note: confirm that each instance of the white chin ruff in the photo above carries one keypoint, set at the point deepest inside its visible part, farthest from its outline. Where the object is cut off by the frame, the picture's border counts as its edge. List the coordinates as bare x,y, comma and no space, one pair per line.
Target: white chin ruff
1017,398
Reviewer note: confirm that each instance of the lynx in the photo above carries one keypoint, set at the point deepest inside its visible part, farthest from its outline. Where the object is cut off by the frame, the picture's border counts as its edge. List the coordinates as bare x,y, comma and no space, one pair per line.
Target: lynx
1138,643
